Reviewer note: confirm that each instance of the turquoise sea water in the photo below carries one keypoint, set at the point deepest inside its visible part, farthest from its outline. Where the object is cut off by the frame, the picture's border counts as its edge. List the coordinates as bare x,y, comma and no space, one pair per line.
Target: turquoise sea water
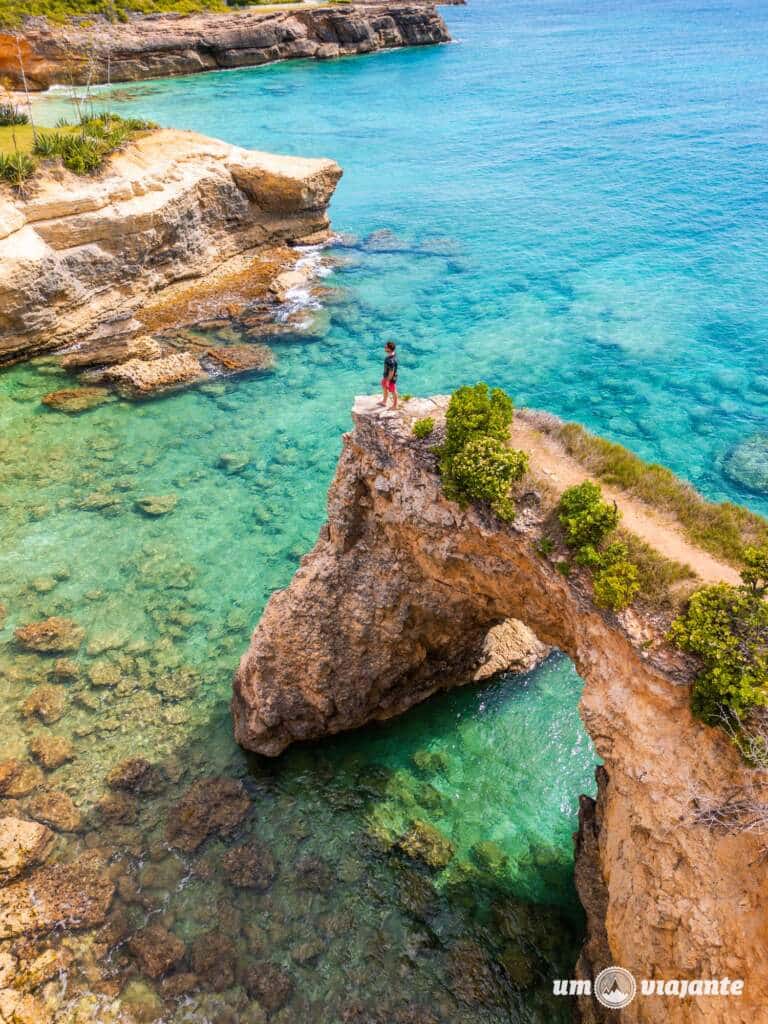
575,206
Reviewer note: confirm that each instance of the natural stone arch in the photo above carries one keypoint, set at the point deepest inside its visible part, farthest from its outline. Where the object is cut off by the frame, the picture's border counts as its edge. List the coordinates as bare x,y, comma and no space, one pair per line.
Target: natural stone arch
395,601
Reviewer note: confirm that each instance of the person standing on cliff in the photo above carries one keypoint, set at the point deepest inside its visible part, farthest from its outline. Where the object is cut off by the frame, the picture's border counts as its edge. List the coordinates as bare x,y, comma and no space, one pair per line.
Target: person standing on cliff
389,380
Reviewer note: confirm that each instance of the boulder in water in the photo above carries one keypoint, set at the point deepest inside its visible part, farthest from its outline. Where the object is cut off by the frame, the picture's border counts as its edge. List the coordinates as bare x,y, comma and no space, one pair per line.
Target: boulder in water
213,960
23,844
156,950
426,843
51,751
746,464
57,810
210,806
269,985
157,504
46,702
135,775
250,866
18,778
75,400
50,636
76,895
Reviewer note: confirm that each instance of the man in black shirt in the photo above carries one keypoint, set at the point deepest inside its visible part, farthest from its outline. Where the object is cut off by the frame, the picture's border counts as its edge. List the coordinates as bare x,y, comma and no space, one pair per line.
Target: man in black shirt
389,380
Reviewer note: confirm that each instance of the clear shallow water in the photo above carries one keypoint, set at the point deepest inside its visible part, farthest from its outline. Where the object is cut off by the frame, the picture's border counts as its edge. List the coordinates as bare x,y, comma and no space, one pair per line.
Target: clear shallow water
577,207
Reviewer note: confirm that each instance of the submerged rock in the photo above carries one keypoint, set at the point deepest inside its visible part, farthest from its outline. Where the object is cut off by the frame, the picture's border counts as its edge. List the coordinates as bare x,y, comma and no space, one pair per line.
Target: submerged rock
314,874
141,377
76,895
46,702
135,775
210,806
157,505
18,778
51,751
23,844
489,856
250,866
213,959
108,352
156,950
747,463
241,358
118,808
56,809
51,636
426,843
75,400
269,984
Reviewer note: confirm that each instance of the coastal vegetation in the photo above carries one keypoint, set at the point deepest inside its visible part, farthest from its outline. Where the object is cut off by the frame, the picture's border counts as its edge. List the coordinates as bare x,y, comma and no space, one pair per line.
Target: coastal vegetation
476,462
82,148
423,428
721,528
13,12
587,522
11,115
726,626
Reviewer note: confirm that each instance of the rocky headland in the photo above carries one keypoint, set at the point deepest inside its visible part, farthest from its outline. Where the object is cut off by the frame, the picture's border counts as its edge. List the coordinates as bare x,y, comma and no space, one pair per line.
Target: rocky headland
154,46
396,601
178,230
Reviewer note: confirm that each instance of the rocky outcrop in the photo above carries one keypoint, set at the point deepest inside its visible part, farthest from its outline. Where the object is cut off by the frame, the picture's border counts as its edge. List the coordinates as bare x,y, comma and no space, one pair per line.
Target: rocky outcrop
394,602
87,259
161,45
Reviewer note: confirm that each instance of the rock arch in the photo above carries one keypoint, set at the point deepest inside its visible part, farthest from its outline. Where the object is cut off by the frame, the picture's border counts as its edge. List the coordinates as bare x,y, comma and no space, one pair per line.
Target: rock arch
395,601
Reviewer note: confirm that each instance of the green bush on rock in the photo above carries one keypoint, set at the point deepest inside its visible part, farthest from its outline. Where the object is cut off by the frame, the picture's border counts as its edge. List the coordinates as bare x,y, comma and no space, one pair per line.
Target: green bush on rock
587,520
584,516
476,462
485,469
11,115
423,428
727,627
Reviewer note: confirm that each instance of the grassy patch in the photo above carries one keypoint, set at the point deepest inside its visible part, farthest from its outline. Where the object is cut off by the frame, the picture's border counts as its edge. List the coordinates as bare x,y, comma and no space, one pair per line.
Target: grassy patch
722,529
13,12
662,580
82,148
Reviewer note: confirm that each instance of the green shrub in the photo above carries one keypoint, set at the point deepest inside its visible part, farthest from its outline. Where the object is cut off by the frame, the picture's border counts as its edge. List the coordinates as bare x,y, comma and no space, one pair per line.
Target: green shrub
423,428
617,585
85,151
10,114
484,470
476,463
476,411
754,575
584,516
727,627
16,168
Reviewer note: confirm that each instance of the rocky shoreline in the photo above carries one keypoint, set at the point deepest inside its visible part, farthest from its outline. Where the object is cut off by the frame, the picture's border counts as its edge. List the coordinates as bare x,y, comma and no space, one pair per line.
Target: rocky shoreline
179,232
390,607
156,46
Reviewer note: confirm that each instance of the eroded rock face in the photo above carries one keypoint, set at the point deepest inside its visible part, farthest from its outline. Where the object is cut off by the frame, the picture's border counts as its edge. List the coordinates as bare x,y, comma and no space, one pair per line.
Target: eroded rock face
395,602
81,254
151,48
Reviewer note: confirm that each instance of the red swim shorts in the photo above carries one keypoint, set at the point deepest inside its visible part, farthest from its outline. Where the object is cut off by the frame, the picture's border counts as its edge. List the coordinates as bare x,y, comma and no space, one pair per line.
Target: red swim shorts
390,385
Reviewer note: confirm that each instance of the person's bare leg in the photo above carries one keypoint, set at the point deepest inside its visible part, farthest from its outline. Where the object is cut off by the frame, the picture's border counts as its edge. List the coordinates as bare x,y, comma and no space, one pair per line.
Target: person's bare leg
384,394
394,398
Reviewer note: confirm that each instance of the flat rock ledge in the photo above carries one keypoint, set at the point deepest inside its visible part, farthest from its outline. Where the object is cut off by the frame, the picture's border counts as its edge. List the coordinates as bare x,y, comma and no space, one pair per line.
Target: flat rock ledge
177,230
395,601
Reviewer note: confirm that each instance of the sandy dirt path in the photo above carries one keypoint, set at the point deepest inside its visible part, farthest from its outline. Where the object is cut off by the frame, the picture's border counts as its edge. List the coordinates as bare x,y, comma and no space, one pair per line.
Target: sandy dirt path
659,529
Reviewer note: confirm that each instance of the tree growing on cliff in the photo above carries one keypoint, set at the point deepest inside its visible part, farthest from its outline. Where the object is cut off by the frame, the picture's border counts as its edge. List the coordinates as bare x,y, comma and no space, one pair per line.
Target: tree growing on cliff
476,462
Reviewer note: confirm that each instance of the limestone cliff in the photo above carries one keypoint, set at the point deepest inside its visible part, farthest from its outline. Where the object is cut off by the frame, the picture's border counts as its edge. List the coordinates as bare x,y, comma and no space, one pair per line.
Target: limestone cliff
80,255
391,605
160,45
